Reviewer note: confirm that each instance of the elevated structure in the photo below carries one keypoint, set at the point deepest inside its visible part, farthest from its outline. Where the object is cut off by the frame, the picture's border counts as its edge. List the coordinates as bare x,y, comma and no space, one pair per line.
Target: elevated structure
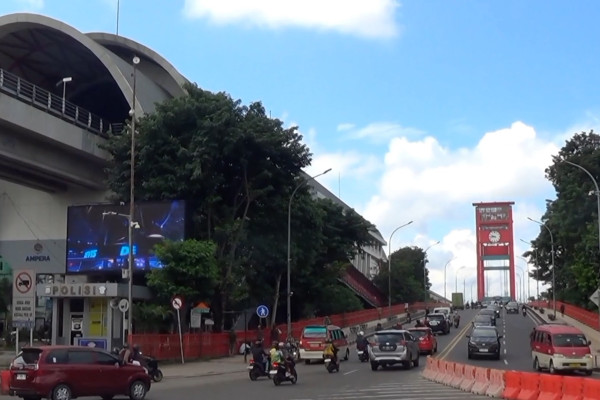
495,243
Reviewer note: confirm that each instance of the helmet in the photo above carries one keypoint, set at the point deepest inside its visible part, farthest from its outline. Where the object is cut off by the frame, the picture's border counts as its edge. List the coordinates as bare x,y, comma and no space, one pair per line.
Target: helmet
361,333
280,345
136,347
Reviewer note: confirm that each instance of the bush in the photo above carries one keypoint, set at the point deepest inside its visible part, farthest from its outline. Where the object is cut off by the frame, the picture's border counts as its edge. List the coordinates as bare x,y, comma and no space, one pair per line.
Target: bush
541,310
551,317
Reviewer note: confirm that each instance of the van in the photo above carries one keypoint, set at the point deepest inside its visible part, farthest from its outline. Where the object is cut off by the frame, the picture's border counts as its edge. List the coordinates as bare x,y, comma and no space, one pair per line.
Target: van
558,347
447,311
313,340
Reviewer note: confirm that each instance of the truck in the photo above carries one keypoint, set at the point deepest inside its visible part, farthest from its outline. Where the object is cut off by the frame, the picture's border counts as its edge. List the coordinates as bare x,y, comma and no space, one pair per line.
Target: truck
458,301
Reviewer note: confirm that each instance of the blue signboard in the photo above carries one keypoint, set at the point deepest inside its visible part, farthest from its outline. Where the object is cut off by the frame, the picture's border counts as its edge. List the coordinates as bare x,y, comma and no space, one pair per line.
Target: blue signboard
262,311
93,342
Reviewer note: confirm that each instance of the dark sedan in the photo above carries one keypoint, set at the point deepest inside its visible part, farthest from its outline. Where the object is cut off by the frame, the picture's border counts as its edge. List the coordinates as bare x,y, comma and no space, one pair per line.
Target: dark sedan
484,342
490,312
438,323
512,307
482,320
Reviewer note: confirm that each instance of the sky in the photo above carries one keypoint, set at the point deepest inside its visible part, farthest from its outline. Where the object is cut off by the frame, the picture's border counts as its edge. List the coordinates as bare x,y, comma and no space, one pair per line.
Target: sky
420,108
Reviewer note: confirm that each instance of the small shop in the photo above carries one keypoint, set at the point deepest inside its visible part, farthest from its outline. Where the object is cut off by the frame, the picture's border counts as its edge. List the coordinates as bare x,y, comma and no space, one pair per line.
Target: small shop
90,314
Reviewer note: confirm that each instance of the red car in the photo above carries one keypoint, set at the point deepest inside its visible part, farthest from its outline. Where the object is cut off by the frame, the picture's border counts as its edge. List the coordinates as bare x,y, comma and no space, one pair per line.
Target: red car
66,372
427,340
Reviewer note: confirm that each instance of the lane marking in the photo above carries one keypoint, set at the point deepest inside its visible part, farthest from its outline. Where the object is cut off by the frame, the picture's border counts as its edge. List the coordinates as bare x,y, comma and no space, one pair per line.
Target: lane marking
454,342
350,372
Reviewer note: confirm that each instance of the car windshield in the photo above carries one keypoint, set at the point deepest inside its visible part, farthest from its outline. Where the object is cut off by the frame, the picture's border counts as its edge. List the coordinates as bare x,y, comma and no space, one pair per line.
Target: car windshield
569,340
512,304
484,333
436,316
487,311
315,332
418,333
482,318
387,337
27,356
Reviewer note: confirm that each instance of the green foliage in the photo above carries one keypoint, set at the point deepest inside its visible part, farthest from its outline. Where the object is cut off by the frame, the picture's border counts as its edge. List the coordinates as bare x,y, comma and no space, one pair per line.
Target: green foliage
190,271
5,293
152,317
573,220
407,276
336,299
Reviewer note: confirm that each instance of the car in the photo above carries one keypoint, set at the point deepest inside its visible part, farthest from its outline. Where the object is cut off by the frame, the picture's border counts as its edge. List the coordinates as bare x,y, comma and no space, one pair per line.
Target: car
484,342
482,320
512,307
490,312
496,309
438,323
447,311
67,372
559,347
426,338
393,346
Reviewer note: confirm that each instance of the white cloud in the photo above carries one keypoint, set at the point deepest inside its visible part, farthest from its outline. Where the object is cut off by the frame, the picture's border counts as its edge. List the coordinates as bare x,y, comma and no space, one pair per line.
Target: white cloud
345,127
371,19
380,132
31,4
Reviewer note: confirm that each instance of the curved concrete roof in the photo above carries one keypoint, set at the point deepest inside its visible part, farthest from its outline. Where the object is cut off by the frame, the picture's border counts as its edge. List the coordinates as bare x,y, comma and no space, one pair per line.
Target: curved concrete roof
43,50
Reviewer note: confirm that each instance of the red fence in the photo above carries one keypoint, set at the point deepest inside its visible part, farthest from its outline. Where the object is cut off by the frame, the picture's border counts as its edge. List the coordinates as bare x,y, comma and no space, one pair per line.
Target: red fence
200,345
589,318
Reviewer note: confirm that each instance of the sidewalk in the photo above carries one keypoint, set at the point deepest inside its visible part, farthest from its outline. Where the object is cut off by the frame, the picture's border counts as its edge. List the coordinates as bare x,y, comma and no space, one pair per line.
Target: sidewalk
218,366
590,333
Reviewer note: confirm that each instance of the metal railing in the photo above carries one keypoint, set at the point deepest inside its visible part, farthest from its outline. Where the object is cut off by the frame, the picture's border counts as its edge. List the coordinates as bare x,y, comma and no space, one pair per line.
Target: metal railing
46,101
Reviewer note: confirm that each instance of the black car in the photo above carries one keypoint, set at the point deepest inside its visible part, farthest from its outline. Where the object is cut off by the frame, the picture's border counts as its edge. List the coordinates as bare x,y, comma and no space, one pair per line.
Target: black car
490,312
438,323
512,307
484,342
496,309
482,320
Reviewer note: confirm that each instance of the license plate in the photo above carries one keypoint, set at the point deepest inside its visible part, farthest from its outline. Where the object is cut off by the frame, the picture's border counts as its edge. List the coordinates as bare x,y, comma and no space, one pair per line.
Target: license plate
328,360
575,365
21,377
360,352
250,367
273,372
483,350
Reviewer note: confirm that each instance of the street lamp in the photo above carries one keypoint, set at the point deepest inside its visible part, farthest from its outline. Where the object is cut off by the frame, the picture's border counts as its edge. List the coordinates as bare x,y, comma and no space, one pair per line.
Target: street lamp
597,192
537,271
528,277
553,266
456,278
64,82
522,294
136,61
445,266
425,270
390,264
518,284
289,242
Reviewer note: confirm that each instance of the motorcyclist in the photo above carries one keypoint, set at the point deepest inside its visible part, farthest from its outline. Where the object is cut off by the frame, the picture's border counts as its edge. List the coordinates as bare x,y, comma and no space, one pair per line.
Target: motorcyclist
259,354
361,341
136,356
419,324
286,358
275,354
331,350
126,355
378,327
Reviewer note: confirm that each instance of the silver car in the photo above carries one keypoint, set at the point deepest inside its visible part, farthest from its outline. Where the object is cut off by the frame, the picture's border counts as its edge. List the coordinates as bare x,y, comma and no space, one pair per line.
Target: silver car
393,346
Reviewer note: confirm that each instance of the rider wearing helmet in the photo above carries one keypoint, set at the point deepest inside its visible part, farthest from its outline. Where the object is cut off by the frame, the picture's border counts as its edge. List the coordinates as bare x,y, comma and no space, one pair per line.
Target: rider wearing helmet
331,351
361,341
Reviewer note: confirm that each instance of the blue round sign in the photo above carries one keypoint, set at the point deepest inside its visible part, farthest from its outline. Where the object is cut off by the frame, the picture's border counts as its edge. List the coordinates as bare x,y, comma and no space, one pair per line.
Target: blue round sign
262,311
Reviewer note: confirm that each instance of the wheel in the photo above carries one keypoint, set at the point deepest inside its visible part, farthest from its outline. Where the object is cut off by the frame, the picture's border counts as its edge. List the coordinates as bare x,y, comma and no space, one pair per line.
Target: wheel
408,364
374,366
497,356
469,356
137,390
158,376
588,372
307,362
551,368
38,398
107,397
435,351
347,355
416,361
61,392
294,378
536,365
253,375
276,380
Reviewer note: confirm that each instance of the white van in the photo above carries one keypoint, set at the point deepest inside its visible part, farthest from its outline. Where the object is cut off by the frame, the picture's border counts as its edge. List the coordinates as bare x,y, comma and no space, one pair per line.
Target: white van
447,311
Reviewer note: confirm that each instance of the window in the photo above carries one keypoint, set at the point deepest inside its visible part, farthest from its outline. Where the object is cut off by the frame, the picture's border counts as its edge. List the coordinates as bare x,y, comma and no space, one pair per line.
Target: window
57,357
27,357
570,340
81,357
315,332
105,359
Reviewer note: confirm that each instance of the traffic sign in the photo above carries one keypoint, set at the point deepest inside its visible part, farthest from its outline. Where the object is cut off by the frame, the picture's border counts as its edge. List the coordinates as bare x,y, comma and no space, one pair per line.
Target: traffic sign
177,302
124,305
595,297
23,282
262,311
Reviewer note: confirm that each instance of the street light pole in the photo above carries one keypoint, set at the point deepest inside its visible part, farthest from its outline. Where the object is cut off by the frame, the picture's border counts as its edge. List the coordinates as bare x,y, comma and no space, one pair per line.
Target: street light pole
425,271
528,277
456,278
289,245
390,264
553,266
446,266
136,61
64,82
597,192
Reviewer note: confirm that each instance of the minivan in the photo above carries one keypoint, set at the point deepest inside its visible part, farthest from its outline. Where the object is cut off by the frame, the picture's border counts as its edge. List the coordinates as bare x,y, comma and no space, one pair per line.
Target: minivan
559,347
67,372
313,338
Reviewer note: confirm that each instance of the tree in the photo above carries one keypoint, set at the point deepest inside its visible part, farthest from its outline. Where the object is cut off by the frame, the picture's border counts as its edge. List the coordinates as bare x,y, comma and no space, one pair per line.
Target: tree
407,265
222,158
572,219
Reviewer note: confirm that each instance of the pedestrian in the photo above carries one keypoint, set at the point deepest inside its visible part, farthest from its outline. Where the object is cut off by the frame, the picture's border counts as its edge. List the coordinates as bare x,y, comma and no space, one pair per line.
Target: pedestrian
275,333
562,310
232,342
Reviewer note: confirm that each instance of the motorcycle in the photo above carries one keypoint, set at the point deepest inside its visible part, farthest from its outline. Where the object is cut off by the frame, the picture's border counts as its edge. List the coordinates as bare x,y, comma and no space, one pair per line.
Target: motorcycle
279,374
363,355
456,321
152,367
524,312
256,370
331,364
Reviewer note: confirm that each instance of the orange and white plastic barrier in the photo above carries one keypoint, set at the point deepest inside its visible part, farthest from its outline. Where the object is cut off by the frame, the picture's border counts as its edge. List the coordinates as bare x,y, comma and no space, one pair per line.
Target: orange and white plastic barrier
458,375
468,378
591,389
496,386
449,375
482,380
551,387
572,388
512,385
4,382
530,386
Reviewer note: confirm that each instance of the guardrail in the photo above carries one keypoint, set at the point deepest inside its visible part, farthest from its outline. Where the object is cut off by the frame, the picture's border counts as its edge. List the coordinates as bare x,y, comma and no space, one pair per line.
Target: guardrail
50,103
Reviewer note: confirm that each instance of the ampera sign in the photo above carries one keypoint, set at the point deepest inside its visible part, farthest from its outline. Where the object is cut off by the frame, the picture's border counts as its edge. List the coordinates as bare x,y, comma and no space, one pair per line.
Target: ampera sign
76,290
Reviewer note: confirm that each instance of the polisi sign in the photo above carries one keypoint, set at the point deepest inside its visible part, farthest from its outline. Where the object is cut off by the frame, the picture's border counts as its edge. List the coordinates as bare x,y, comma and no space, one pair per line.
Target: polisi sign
76,290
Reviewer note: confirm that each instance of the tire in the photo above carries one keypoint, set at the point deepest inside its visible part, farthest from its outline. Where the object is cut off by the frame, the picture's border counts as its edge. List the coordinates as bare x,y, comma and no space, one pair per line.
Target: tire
31,398
252,375
276,381
307,362
588,372
137,390
105,397
294,378
374,366
416,361
61,392
408,365
536,365
469,356
551,368
347,355
158,376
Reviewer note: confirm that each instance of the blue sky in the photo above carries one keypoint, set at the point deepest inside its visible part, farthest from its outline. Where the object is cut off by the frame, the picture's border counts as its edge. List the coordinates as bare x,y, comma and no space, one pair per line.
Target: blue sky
419,107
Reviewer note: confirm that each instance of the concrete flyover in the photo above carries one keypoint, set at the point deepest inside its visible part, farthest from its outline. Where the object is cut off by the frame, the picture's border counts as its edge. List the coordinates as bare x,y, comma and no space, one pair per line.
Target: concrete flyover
62,91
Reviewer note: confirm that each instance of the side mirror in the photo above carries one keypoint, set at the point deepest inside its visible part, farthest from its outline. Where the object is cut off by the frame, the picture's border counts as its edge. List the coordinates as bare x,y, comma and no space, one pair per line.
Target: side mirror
589,342
468,336
500,336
